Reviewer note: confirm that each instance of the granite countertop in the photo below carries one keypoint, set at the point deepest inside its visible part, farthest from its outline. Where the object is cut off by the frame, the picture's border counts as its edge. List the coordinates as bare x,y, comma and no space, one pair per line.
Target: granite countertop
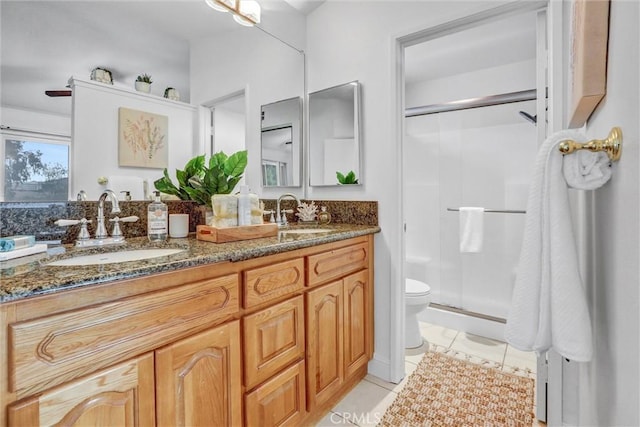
31,276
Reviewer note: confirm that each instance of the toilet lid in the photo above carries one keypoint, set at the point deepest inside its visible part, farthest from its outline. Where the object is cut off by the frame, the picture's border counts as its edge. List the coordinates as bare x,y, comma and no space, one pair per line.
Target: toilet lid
416,287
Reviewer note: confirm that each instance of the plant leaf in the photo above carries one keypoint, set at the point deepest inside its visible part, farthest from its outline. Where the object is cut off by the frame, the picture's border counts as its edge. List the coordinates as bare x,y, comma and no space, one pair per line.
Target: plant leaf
217,160
195,166
231,184
340,177
235,165
182,178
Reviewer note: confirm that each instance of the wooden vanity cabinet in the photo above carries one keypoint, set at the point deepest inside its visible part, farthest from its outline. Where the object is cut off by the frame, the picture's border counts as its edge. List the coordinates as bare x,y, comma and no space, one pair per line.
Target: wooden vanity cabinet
271,341
198,379
339,335
122,395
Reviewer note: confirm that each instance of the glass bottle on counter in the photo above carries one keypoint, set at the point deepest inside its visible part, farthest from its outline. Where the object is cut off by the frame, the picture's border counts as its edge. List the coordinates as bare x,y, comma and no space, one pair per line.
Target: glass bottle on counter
324,217
157,220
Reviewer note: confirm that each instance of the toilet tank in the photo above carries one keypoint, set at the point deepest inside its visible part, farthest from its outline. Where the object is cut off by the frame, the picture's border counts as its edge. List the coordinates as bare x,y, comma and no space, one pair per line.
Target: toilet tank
415,267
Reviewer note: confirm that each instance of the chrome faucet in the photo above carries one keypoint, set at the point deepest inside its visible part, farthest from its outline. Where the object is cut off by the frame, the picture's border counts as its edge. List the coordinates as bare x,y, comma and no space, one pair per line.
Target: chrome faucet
101,230
281,217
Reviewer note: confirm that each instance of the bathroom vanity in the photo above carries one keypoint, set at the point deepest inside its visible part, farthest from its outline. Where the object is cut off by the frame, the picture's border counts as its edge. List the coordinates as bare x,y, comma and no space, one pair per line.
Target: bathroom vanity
265,332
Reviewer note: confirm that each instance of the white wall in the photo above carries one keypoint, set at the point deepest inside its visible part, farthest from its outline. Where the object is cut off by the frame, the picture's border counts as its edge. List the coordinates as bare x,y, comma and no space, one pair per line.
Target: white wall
229,131
265,68
609,386
95,136
360,46
36,121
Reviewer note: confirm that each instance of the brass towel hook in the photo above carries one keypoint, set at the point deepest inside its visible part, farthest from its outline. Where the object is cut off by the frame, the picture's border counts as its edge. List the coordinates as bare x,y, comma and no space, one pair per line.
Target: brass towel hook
612,145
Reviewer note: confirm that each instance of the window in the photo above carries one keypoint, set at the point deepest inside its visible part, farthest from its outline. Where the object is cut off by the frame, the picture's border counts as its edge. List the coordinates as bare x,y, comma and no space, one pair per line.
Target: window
35,168
274,173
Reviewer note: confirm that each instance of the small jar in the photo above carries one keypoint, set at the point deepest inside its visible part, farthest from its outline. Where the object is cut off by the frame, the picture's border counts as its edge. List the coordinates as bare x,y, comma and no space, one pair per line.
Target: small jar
324,217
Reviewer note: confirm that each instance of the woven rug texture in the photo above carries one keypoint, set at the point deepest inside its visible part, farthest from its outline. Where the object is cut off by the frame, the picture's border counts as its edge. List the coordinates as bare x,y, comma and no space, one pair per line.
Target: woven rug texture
444,391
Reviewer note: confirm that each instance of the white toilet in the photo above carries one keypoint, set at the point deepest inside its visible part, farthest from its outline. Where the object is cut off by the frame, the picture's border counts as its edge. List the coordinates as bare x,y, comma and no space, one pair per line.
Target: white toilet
417,296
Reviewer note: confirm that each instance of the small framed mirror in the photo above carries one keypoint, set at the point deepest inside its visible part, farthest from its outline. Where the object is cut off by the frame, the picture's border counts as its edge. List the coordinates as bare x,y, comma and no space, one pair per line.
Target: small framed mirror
281,143
334,136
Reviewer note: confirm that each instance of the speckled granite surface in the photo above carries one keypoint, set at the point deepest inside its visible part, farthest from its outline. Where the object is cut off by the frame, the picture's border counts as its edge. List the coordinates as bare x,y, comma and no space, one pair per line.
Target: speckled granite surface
31,276
342,211
38,218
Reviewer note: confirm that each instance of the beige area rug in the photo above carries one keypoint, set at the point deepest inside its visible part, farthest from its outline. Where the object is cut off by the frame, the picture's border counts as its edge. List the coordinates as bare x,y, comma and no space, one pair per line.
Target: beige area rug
445,391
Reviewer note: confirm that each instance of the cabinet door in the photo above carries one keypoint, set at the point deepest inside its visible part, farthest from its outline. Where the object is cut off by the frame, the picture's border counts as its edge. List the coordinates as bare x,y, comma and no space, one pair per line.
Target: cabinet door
325,369
279,401
273,338
122,395
198,379
357,321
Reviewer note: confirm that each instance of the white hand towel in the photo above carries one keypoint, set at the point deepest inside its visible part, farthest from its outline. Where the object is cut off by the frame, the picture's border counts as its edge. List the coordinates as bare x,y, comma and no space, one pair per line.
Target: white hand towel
549,306
586,170
471,229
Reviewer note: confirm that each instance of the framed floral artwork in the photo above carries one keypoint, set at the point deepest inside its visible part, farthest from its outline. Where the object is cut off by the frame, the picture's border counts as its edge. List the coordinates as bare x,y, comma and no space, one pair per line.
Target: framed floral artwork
588,73
142,139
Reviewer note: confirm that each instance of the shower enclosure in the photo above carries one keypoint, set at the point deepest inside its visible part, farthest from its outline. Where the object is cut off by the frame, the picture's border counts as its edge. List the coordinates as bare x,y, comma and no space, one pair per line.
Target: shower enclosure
470,139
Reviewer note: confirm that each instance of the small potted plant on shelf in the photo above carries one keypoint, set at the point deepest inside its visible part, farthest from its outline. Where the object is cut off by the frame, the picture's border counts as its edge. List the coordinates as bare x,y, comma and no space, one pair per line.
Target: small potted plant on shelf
143,83
349,178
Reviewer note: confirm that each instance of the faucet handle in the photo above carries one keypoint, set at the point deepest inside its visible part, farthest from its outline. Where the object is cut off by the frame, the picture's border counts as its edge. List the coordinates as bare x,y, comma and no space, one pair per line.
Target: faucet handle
271,212
131,218
68,222
84,232
116,232
283,216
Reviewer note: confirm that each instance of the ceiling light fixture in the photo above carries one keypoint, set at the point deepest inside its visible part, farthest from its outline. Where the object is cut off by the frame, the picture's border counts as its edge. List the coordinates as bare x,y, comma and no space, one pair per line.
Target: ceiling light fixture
245,12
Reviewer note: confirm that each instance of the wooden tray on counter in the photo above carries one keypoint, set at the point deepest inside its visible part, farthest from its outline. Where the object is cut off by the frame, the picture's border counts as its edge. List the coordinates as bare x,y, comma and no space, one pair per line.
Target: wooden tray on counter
232,234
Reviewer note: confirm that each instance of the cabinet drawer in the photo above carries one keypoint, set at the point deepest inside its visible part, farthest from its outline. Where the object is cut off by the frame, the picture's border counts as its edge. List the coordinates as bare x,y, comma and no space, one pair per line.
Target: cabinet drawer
278,402
273,281
55,349
336,263
273,338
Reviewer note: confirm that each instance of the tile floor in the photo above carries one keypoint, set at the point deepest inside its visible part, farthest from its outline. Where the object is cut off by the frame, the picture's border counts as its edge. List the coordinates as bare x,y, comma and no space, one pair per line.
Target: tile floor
367,402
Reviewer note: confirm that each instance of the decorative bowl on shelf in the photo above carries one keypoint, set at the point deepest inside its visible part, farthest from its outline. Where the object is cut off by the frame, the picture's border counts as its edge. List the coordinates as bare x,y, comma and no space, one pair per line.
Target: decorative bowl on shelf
172,94
101,75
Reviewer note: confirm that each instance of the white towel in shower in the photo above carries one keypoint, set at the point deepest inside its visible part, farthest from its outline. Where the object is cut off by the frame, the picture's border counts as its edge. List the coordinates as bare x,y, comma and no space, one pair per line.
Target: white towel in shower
471,229
549,307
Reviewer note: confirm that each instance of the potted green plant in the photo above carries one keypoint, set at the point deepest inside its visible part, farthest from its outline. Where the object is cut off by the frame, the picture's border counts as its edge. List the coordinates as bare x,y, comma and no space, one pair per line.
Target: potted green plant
349,178
200,180
143,83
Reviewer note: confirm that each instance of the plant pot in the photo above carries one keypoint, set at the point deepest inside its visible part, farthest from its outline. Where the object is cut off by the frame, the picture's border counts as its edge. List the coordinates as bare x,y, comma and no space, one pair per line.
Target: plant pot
143,87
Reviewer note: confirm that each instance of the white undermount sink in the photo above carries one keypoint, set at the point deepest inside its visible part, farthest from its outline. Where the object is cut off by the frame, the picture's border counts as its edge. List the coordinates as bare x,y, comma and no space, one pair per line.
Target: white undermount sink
115,257
306,230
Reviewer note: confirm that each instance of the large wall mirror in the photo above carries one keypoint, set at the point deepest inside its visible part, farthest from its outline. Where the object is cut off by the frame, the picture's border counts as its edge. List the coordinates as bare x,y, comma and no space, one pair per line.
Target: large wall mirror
281,143
128,40
334,135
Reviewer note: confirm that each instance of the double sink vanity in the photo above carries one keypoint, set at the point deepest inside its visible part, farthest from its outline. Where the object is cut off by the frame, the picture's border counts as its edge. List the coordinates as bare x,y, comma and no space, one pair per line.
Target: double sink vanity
270,331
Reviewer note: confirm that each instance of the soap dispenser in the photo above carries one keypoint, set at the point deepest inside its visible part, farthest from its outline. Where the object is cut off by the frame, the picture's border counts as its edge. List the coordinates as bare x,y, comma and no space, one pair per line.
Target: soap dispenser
157,220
